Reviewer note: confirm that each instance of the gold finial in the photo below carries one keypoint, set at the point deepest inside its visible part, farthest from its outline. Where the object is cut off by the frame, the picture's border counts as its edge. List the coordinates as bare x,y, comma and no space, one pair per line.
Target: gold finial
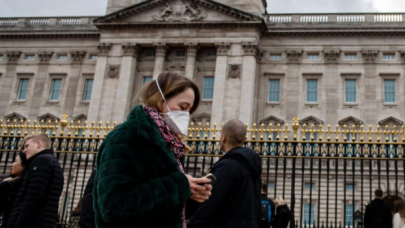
295,127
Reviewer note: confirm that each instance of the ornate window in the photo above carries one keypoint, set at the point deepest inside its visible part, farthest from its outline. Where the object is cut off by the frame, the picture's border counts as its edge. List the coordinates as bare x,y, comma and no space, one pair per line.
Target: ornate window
312,90
63,57
308,210
389,56
389,91
55,89
208,88
274,90
350,90
88,86
313,56
22,89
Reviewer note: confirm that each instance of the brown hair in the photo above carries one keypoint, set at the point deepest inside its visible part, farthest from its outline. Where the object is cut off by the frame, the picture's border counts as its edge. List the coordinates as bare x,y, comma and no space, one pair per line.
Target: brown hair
171,84
45,141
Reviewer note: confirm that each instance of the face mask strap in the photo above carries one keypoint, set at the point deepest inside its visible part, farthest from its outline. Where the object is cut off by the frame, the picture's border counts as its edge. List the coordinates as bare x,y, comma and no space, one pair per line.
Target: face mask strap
161,93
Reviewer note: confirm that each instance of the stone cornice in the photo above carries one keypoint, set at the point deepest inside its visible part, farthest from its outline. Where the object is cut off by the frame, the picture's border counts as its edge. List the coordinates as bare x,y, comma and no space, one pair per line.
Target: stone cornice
30,35
77,56
130,50
148,5
13,56
223,48
104,49
44,56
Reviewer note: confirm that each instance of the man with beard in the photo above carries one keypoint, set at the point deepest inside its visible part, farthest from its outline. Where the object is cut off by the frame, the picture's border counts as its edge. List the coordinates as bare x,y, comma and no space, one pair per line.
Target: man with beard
235,201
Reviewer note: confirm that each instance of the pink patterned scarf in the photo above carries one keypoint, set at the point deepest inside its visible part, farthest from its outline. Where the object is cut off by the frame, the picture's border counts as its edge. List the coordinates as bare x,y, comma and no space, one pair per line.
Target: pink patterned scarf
176,146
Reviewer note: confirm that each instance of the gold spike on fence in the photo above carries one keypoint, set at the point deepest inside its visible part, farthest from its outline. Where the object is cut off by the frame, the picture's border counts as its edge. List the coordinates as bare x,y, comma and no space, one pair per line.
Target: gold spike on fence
66,128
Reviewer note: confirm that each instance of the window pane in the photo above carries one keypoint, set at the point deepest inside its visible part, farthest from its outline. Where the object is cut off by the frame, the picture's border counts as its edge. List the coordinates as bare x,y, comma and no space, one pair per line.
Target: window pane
313,57
87,89
275,57
22,90
308,209
146,80
1,57
62,57
309,186
93,57
388,56
389,91
312,90
351,91
208,88
274,90
350,187
349,214
55,90
350,56
270,185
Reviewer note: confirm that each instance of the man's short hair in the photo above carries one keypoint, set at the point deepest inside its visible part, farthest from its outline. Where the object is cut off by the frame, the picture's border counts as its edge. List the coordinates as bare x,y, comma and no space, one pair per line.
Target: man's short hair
264,188
235,132
44,139
378,193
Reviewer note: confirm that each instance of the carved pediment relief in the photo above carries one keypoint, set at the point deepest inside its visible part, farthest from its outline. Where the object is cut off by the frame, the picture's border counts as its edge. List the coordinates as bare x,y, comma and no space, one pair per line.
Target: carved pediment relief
311,120
390,121
15,116
201,118
176,11
46,117
349,121
271,119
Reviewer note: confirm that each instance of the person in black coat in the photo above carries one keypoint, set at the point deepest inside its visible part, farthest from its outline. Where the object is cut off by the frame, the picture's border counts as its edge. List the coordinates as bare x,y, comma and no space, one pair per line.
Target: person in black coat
87,210
378,213
235,201
10,186
37,201
283,214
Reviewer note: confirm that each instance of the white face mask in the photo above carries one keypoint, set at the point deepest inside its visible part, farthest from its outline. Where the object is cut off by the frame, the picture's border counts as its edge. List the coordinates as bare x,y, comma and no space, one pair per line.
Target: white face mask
176,120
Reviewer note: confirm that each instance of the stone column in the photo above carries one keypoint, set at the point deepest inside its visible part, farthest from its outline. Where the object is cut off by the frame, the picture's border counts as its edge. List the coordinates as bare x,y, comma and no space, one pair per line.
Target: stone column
98,83
73,81
40,79
220,83
159,59
248,81
126,82
8,77
192,49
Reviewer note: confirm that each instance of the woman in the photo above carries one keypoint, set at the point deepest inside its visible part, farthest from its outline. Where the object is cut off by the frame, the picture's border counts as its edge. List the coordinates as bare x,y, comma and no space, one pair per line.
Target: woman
283,214
140,180
399,216
9,187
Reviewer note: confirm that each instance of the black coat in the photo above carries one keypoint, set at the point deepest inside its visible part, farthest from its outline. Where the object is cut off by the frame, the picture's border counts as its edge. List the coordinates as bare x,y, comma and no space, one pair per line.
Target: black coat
37,201
282,218
8,194
378,215
87,210
235,201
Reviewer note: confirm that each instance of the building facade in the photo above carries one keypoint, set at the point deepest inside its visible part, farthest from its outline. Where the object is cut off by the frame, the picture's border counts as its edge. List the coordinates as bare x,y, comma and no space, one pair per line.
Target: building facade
339,69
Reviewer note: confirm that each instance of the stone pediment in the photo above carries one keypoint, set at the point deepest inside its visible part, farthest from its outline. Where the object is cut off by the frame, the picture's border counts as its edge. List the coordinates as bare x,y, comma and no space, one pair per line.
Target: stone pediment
164,12
47,117
15,116
201,117
350,120
390,120
271,119
311,120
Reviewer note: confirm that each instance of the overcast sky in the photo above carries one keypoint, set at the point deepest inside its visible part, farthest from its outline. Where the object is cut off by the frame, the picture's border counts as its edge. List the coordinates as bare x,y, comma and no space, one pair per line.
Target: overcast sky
37,8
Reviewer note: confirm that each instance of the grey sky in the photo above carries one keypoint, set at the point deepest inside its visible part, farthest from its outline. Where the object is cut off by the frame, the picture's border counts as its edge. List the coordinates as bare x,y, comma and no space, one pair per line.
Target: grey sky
37,8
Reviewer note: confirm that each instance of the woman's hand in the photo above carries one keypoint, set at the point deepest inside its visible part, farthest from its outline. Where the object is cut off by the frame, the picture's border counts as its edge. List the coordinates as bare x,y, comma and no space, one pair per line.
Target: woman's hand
199,193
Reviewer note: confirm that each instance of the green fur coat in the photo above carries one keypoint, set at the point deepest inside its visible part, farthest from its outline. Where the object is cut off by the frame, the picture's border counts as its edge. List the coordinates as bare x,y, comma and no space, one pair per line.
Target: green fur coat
138,182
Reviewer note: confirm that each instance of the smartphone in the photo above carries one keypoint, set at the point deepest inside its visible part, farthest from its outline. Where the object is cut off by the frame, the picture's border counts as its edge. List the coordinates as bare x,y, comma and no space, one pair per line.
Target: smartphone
211,177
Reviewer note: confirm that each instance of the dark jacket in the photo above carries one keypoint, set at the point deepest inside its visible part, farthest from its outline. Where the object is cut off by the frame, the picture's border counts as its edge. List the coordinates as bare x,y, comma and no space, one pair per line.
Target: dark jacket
235,201
377,215
138,182
8,194
282,218
87,212
37,201
272,209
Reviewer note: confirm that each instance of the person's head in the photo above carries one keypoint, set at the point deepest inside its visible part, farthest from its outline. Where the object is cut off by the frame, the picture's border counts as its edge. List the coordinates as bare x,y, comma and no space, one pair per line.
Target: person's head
34,144
264,189
181,93
378,193
19,165
399,205
278,201
233,135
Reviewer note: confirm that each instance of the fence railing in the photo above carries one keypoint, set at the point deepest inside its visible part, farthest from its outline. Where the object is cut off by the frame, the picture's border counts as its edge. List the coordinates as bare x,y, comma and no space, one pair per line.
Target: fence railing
324,175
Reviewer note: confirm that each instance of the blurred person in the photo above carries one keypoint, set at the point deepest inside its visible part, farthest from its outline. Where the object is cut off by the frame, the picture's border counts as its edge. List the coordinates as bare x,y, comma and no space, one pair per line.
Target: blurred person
378,213
10,186
399,214
283,214
235,201
36,205
267,209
